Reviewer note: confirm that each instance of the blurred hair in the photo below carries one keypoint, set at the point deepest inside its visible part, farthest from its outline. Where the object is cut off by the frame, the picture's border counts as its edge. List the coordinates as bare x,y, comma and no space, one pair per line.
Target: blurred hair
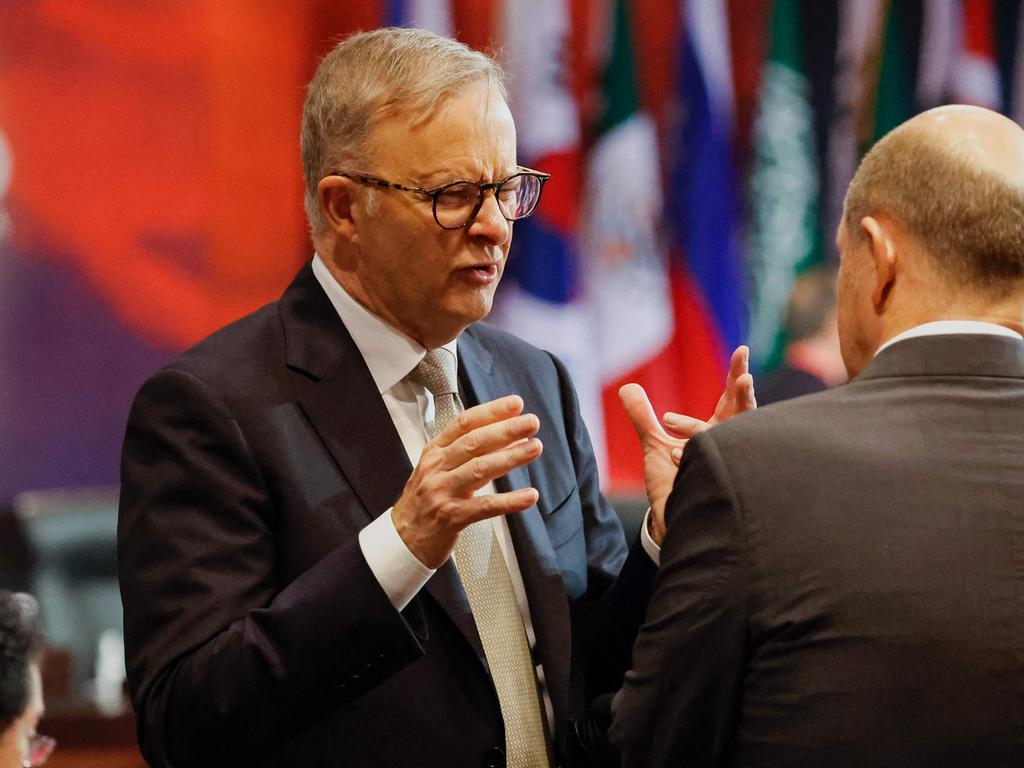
969,219
370,74
811,301
20,646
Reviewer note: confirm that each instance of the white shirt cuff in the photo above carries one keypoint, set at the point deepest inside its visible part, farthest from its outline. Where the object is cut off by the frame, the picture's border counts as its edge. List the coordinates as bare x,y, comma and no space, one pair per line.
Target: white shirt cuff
653,550
398,571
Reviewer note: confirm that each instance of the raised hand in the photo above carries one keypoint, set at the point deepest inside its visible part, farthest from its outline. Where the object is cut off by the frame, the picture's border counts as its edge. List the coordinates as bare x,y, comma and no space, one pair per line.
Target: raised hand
663,442
482,444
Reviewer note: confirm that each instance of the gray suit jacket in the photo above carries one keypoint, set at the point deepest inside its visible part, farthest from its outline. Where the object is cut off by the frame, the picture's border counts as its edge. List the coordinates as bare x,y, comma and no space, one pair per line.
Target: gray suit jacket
842,582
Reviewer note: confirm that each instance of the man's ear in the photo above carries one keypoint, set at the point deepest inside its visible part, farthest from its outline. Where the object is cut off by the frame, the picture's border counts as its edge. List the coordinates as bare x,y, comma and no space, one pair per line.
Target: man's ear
882,250
334,195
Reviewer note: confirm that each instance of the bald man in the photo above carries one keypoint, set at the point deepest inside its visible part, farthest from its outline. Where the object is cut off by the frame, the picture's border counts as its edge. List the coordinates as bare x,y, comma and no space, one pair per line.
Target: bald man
842,582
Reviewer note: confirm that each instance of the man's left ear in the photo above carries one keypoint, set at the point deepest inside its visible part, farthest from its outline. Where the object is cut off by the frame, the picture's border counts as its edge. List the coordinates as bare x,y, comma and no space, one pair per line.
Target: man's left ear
882,248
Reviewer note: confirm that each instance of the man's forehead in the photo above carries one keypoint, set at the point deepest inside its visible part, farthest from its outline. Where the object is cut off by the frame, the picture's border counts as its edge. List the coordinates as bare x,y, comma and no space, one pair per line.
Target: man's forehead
472,132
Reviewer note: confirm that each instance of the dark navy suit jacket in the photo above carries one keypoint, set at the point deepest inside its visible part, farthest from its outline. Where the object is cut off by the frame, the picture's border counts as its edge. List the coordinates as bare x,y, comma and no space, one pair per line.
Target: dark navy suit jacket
256,633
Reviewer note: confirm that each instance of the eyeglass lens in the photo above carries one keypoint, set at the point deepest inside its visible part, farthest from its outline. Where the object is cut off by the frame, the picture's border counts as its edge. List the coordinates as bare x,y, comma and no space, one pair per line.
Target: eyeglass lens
517,198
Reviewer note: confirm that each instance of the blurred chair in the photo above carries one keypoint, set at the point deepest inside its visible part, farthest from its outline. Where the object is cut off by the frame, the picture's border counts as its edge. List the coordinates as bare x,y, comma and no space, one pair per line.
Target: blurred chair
15,554
631,511
73,536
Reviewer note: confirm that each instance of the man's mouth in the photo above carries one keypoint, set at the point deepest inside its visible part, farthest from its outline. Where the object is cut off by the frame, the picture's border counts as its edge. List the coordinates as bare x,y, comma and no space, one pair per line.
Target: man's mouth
482,273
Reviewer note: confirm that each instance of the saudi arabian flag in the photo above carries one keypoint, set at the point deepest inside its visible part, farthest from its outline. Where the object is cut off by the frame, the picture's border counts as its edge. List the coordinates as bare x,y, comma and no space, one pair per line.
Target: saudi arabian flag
784,234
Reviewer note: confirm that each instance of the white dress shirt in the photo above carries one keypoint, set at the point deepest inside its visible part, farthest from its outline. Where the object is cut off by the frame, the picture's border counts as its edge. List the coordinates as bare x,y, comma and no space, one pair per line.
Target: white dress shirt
391,356
945,327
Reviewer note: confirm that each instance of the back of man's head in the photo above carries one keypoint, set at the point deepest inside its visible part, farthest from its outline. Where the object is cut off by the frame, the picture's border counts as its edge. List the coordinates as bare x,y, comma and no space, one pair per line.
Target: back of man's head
953,178
20,647
371,74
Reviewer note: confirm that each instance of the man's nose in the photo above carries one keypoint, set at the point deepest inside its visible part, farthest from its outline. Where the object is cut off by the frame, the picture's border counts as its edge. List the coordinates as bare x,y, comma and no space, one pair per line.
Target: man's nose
490,223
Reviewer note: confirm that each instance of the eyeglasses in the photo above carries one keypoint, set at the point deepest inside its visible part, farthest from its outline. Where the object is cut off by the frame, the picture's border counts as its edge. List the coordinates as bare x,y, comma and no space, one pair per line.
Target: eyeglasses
39,750
457,203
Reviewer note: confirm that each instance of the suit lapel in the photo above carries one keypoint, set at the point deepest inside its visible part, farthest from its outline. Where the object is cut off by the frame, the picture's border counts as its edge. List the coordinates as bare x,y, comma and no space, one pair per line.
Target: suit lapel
349,415
542,579
343,405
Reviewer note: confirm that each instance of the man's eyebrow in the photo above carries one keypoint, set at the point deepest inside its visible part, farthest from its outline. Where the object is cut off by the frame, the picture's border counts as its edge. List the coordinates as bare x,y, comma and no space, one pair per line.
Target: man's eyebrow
445,175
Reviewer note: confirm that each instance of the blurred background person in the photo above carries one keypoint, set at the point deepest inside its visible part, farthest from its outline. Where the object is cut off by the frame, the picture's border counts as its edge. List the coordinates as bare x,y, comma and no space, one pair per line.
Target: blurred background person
811,359
21,688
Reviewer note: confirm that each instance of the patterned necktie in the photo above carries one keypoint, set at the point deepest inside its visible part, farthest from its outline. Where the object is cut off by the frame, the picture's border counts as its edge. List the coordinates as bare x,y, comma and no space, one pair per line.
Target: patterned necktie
488,586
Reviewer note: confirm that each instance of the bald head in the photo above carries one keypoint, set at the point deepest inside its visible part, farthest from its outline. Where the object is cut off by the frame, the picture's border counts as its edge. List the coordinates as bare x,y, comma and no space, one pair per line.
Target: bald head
953,179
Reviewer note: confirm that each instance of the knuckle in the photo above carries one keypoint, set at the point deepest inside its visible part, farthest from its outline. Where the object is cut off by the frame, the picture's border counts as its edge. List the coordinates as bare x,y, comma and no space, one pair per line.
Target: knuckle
479,469
464,421
488,504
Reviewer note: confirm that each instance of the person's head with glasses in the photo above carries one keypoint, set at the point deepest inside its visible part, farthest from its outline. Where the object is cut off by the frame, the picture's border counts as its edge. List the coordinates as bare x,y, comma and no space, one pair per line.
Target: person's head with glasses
21,693
412,181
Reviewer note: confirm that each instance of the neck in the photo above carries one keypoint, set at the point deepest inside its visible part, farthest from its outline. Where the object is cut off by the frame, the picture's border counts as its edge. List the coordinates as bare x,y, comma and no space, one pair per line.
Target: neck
354,287
1008,313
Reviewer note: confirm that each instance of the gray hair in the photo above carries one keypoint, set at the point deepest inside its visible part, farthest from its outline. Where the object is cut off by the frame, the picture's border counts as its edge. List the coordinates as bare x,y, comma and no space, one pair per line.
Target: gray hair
969,219
372,73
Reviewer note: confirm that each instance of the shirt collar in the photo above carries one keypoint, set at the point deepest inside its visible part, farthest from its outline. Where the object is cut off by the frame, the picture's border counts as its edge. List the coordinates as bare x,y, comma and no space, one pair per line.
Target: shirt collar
389,354
943,327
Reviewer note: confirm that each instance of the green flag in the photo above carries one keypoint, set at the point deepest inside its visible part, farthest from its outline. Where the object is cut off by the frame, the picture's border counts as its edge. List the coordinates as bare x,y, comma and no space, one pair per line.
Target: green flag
784,231
893,99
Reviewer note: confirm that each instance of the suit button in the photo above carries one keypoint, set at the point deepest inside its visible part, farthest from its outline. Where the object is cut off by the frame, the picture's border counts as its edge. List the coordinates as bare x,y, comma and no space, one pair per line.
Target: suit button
494,758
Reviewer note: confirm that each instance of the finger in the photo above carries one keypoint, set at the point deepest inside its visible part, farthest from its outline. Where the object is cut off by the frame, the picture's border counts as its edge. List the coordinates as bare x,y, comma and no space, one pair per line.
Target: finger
738,395
490,438
479,416
479,471
640,411
677,456
682,425
496,504
745,398
739,363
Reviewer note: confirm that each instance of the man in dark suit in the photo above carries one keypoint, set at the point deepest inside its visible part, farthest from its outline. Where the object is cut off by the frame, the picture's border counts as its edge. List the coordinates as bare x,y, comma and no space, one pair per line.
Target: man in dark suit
842,577
295,486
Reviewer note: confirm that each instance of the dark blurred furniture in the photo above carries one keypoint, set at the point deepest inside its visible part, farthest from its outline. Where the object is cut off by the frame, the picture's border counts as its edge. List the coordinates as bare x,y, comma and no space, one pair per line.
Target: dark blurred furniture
631,511
15,553
87,739
72,534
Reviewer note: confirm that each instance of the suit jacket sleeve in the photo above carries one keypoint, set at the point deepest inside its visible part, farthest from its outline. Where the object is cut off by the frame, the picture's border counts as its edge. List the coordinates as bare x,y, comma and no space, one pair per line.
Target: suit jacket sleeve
679,703
223,659
618,579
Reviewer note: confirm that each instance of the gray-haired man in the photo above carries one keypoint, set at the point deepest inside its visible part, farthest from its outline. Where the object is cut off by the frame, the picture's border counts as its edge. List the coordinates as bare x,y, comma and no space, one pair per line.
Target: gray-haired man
358,528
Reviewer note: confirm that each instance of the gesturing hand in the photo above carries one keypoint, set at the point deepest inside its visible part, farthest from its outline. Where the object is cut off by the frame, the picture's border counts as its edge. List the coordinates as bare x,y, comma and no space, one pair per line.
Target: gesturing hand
662,443
482,444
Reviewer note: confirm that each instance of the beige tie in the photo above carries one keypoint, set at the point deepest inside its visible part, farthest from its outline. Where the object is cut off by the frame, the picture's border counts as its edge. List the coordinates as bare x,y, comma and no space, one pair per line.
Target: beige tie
488,586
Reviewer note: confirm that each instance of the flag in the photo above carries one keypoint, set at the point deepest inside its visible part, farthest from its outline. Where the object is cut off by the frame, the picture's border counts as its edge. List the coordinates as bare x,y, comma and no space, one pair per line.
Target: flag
977,77
703,198
435,15
625,273
540,297
784,233
940,33
859,27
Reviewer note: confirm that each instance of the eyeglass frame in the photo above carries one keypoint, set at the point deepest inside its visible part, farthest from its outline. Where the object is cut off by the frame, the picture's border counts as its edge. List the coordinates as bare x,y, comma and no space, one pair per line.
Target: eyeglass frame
435,192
